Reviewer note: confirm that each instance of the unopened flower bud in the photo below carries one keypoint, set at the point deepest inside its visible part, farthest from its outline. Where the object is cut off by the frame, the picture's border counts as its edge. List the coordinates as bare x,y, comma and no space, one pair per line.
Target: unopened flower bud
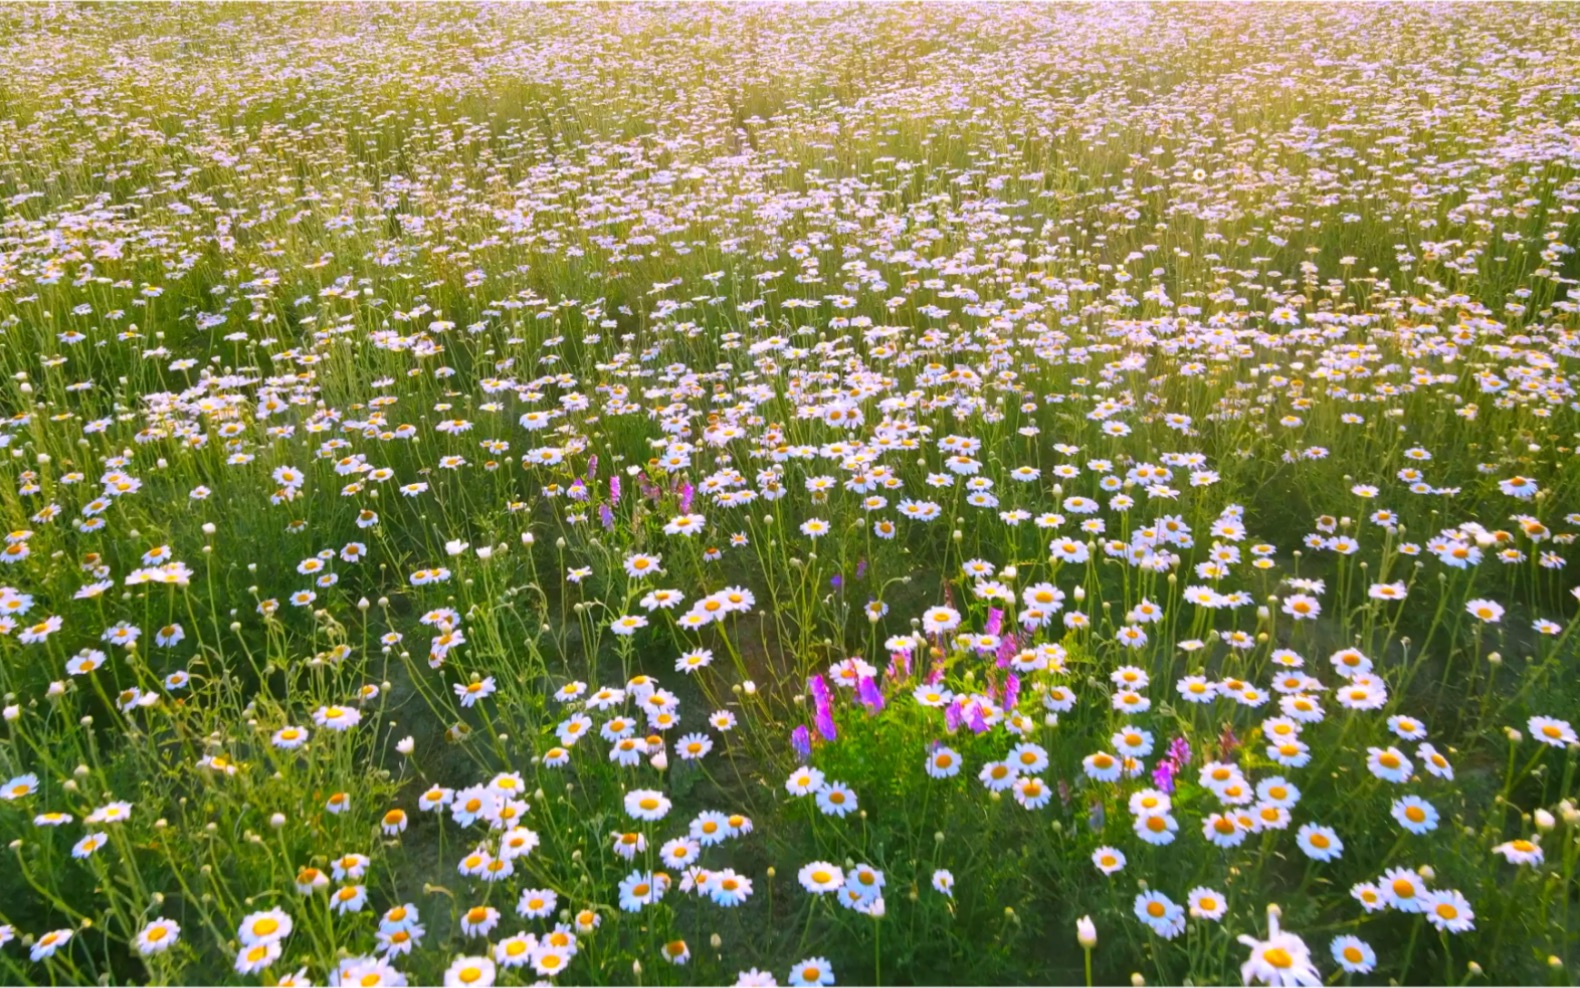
1086,932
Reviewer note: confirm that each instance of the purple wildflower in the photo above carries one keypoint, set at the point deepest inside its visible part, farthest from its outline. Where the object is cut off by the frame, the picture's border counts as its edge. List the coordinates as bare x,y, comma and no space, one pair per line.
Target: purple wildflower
868,693
979,724
952,714
801,741
825,723
1163,775
819,687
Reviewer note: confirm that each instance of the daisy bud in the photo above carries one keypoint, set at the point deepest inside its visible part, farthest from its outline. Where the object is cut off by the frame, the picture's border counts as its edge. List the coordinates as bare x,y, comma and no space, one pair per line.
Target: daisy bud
1474,968
1009,573
406,745
659,761
364,604
12,712
1137,981
485,552
636,968
1079,593
527,539
1569,812
1554,961
1086,932
1427,872
1544,820
749,688
715,941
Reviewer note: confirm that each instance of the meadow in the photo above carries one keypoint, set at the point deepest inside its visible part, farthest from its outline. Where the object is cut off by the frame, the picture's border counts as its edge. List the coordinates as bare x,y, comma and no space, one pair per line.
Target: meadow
817,494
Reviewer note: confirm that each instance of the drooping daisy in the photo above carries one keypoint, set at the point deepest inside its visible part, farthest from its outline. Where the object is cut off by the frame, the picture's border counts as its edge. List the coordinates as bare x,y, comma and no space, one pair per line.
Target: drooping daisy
1520,851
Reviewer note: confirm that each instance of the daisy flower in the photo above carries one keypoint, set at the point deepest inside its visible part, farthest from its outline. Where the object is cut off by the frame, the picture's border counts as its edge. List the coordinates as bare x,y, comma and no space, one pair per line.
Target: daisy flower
1353,955
819,877
812,971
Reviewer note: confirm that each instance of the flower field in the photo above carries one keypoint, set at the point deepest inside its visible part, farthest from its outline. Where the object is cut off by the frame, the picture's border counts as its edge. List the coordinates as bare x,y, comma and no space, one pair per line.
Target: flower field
795,495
